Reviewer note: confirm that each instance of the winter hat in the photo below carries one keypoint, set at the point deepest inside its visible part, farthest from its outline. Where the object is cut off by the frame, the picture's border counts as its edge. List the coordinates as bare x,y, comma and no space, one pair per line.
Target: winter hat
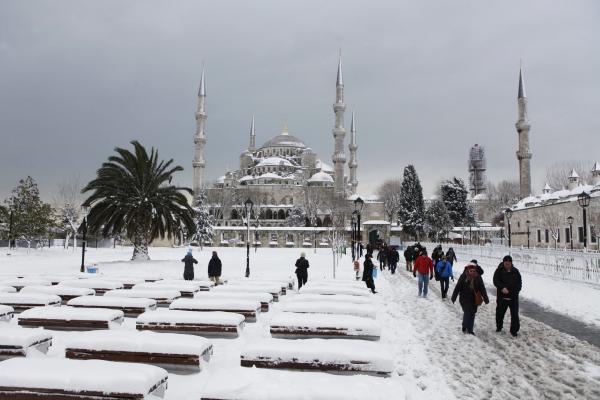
507,258
474,262
303,254
189,252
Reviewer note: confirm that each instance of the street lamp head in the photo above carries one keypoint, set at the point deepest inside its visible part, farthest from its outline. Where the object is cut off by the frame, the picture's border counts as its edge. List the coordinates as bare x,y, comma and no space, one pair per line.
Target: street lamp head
358,204
583,199
570,220
528,222
248,205
508,212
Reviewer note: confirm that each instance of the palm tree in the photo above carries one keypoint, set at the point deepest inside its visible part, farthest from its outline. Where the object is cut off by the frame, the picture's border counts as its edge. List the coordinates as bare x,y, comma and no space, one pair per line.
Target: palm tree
132,194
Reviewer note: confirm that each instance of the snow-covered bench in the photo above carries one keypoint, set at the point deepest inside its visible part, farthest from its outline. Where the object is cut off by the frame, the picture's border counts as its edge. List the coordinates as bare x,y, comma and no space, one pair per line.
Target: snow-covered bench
329,307
65,293
19,283
334,289
338,298
24,301
19,342
7,289
71,318
329,355
99,285
61,379
265,299
6,313
214,323
273,290
294,325
248,308
270,384
163,297
284,284
186,288
167,350
131,307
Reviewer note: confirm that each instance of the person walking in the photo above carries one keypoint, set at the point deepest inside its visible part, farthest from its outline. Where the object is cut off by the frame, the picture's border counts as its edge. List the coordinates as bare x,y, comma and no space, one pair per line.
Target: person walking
302,270
508,282
471,292
409,253
424,269
214,268
382,257
393,258
437,254
451,256
368,273
188,266
443,269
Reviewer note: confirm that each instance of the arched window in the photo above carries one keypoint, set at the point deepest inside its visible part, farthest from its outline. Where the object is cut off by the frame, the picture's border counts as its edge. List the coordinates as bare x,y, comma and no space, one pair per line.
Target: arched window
269,214
287,213
327,221
262,214
319,222
234,214
281,214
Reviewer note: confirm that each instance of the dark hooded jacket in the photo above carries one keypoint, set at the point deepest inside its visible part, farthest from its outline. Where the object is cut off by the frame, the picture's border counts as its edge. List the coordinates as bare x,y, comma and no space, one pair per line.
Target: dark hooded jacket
188,269
510,280
466,293
214,266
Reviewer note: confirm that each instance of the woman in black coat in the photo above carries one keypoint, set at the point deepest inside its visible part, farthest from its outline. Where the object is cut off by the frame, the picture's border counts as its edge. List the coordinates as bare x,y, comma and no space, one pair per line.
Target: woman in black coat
188,269
214,268
466,288
302,266
368,272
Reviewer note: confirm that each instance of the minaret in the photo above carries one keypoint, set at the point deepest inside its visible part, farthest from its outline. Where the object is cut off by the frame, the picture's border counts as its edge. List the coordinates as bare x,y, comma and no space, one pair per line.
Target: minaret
339,156
199,140
352,164
252,145
523,154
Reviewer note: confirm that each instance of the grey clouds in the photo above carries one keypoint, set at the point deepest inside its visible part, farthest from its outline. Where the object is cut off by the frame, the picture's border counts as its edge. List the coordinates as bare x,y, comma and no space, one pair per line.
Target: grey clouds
427,80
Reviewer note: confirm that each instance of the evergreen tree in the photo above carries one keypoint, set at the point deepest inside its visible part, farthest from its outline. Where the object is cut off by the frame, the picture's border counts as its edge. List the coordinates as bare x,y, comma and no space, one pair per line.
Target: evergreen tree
31,216
204,220
437,220
412,206
454,195
297,217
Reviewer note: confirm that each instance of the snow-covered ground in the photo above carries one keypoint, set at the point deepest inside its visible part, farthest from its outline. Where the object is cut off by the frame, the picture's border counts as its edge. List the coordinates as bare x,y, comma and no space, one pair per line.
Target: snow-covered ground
432,358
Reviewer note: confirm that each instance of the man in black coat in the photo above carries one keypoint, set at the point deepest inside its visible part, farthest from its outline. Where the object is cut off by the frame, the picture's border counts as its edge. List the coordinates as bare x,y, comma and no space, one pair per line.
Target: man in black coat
188,268
368,272
507,280
302,270
214,268
393,258
409,254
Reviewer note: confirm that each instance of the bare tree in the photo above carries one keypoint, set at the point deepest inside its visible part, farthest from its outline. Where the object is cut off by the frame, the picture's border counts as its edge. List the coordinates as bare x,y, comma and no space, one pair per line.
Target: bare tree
557,174
389,192
499,197
67,203
552,218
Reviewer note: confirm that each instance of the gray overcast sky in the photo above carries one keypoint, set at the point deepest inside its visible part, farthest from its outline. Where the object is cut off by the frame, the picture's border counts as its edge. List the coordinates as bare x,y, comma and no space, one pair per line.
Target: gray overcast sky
427,79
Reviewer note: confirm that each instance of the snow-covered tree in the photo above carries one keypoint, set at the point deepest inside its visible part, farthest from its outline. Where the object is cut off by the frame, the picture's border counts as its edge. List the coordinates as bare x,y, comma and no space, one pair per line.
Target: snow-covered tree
389,193
203,219
557,174
412,205
437,220
67,203
31,216
297,217
454,195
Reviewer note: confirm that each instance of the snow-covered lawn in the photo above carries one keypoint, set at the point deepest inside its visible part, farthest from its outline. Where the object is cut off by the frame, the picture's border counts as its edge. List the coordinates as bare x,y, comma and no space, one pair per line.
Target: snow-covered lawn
432,358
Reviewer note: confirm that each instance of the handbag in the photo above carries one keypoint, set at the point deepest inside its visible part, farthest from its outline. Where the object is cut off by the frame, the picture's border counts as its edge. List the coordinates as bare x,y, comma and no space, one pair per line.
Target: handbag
478,298
374,272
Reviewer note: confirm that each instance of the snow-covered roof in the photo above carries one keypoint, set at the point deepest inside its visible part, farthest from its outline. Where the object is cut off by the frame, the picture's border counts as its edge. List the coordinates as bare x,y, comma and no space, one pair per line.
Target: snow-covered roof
284,140
480,197
559,195
221,179
596,167
246,178
574,174
269,161
270,175
368,198
323,166
376,222
321,177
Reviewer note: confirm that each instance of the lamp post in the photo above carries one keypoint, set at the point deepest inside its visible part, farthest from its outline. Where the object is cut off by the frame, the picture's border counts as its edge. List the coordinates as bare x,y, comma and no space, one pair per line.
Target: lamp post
10,226
508,213
570,222
256,237
353,234
584,201
358,206
248,205
86,210
528,222
315,233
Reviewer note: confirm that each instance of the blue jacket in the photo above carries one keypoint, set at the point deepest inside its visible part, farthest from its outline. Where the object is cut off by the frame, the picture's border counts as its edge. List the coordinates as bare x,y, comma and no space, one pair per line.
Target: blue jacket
444,272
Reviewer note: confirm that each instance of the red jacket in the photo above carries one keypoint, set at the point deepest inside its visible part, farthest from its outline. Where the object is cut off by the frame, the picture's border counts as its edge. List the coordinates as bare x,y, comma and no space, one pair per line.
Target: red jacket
423,265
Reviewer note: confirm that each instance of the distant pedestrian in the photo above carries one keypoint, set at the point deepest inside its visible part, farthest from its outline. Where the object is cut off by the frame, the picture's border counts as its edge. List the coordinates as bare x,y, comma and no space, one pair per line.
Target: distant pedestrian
356,267
451,256
443,269
215,268
382,257
471,292
424,269
393,258
507,280
370,248
302,270
409,254
437,254
188,266
368,273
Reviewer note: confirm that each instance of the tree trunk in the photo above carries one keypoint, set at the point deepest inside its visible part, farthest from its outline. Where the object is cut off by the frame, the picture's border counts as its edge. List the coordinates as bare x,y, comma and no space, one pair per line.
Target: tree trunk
140,245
